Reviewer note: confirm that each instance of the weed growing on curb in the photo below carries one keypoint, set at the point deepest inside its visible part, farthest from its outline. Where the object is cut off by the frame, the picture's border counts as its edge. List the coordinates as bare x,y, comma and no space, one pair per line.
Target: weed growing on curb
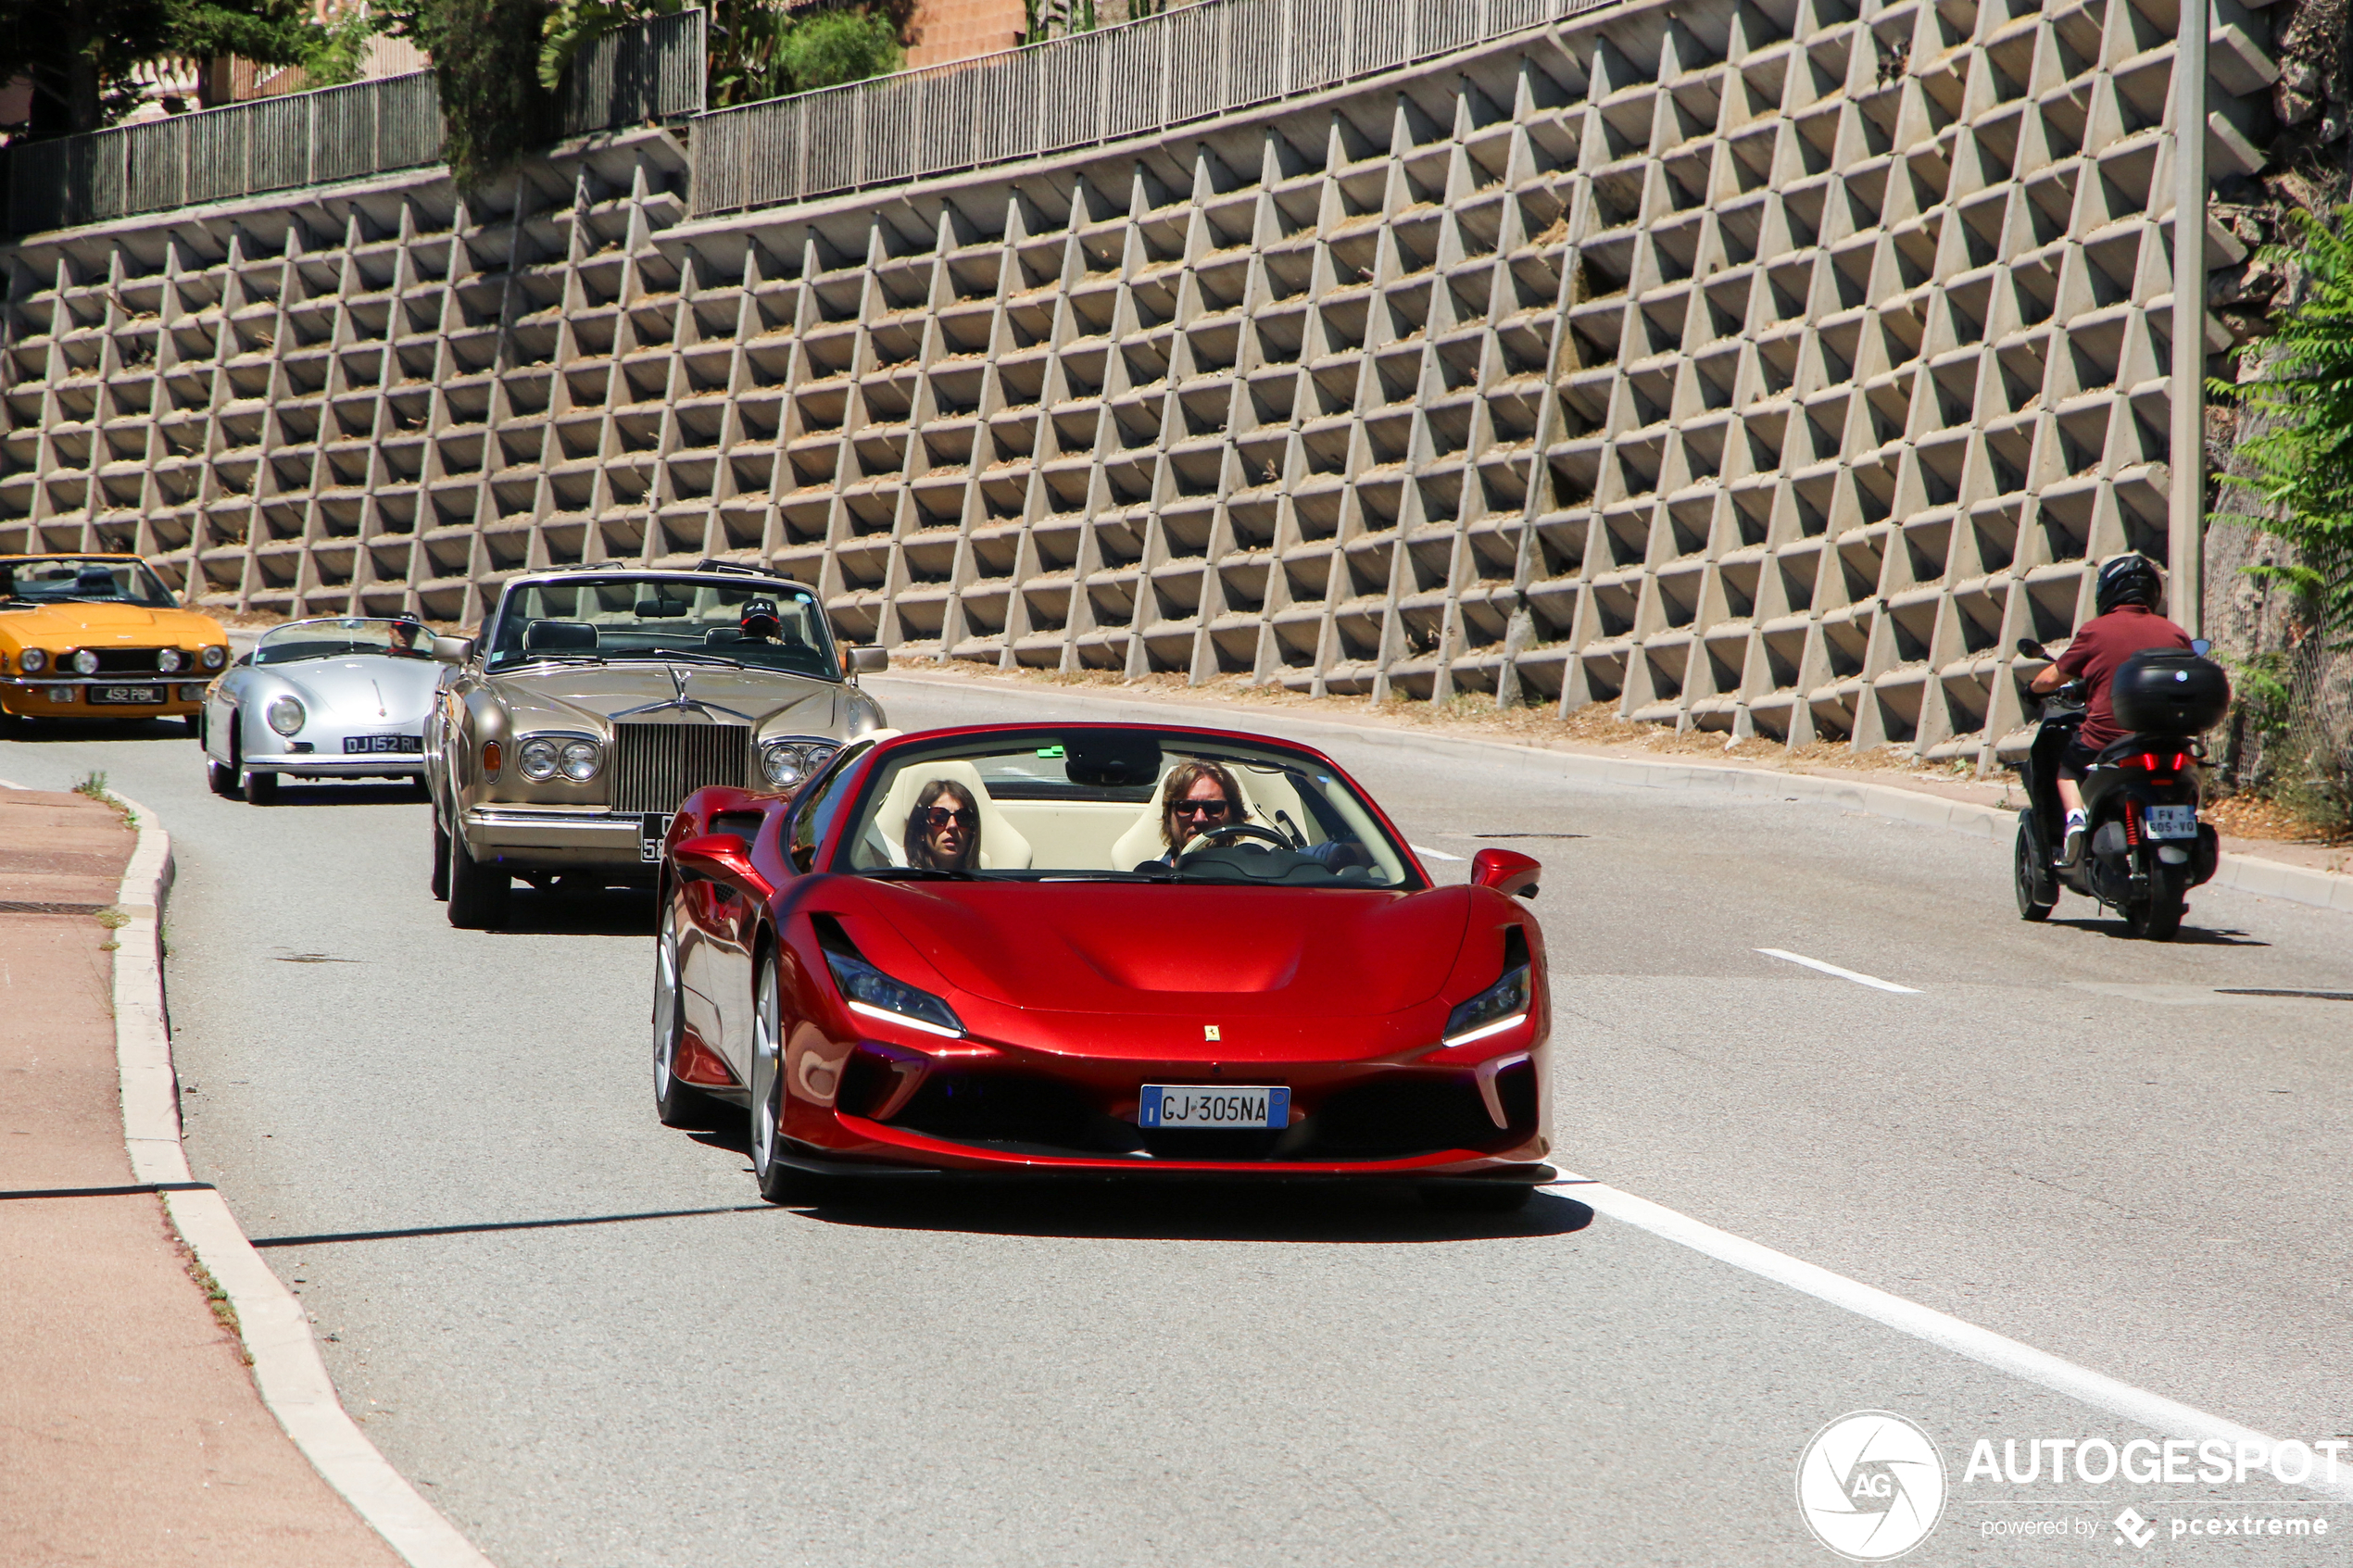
224,1312
93,784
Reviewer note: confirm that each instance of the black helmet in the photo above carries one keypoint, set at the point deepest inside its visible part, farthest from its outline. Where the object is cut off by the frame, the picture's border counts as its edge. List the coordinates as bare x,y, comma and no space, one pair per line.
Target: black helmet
2128,579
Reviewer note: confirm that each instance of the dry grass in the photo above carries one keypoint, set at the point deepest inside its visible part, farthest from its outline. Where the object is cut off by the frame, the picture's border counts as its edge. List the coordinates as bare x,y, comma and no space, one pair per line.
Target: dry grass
2247,816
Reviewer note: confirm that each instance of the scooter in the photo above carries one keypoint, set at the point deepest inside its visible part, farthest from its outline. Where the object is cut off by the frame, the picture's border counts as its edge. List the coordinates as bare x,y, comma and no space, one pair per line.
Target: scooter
2143,848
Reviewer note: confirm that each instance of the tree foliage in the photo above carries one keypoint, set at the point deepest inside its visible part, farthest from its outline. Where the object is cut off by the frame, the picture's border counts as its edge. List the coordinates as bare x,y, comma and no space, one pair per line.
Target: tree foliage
2301,487
758,49
486,59
79,56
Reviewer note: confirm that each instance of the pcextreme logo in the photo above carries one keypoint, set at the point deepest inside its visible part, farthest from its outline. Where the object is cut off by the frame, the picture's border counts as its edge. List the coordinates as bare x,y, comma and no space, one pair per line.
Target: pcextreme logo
1870,1486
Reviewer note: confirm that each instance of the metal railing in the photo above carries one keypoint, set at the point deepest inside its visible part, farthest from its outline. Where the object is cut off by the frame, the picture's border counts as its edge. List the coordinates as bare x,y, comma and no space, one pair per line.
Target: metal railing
650,71
1192,63
299,139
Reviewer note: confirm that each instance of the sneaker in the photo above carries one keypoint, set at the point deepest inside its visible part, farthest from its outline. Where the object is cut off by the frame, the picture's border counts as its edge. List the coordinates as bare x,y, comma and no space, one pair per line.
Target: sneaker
2073,850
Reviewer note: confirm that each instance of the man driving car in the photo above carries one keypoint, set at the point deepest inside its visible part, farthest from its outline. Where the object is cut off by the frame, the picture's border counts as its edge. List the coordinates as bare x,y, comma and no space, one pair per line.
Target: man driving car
2125,622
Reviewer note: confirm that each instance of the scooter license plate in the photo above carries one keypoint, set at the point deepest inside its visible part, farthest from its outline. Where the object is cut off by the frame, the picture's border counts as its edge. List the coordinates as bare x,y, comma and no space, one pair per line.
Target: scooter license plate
2173,822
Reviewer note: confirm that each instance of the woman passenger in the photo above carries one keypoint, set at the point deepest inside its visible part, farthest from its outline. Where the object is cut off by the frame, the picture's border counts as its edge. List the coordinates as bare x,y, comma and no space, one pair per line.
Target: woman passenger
943,831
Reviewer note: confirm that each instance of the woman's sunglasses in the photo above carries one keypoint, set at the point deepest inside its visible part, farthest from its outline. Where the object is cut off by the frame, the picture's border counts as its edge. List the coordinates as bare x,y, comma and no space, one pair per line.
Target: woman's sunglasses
938,816
1199,807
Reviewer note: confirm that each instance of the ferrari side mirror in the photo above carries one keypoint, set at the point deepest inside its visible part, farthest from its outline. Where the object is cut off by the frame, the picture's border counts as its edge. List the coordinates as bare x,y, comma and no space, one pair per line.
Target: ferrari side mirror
1508,872
866,661
453,650
720,856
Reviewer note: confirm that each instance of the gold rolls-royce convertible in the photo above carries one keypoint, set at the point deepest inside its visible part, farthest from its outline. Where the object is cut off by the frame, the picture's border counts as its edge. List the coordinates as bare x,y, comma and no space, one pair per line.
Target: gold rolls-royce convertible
595,699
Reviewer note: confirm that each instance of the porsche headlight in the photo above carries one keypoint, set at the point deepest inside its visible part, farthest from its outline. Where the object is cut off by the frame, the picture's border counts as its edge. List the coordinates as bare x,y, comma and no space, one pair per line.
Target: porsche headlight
35,661
285,715
869,991
1491,1011
170,660
538,759
580,761
215,657
787,763
86,661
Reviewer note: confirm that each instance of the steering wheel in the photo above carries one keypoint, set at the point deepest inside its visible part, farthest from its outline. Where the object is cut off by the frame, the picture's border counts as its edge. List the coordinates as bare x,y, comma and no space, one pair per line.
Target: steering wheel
1233,830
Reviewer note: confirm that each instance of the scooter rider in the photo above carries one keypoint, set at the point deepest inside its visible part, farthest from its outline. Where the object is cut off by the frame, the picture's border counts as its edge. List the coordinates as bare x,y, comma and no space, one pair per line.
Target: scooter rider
2125,621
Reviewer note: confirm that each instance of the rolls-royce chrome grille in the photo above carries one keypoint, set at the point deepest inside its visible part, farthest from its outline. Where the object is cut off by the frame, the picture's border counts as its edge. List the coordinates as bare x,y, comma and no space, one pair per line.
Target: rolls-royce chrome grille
656,766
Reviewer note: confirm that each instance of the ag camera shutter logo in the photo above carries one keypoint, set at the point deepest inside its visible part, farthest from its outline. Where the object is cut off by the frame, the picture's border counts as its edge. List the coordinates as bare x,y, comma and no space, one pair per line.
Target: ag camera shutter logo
1870,1486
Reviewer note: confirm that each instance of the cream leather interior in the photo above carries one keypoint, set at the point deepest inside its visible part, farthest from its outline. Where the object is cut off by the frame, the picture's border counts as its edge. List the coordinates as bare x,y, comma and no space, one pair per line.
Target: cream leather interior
1003,846
1264,793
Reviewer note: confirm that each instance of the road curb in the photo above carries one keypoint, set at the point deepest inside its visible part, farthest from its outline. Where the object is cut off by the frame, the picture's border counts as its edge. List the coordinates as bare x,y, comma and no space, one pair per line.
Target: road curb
286,1366
2242,873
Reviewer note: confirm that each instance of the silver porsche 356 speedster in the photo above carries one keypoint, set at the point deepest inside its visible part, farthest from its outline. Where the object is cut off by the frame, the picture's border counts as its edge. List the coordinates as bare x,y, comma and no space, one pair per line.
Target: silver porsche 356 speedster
596,700
336,698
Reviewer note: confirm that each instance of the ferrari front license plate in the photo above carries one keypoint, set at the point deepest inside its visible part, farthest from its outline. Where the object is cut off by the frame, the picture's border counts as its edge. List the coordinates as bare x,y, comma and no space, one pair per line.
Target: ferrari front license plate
2173,822
137,695
367,746
1218,1105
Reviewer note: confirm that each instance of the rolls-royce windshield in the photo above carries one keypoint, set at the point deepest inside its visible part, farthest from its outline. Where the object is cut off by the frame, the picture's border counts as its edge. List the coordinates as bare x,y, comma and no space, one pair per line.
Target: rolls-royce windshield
762,625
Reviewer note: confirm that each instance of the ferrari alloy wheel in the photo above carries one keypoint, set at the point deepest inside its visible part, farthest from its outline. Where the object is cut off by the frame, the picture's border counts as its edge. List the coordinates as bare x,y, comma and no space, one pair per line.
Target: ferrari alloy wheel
440,857
677,1104
779,1183
477,893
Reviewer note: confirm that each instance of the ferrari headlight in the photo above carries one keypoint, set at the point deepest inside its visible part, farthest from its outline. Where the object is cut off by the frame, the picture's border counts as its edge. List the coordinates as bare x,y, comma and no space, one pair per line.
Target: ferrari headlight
538,759
86,661
285,715
1491,1011
215,657
870,991
170,660
35,661
787,763
579,760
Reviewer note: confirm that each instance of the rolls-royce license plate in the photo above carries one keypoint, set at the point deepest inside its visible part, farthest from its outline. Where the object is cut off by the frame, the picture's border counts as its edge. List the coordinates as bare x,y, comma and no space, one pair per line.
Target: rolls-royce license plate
1218,1105
652,828
2173,822
129,694
369,746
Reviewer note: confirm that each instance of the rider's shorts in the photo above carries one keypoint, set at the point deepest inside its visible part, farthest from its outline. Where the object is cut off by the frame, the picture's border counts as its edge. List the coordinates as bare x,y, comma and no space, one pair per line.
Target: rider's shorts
2075,756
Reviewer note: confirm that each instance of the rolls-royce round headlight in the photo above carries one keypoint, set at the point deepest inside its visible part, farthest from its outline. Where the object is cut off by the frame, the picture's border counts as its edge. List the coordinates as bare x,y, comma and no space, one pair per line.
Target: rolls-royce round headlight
86,661
170,660
537,761
787,763
285,715
215,657
35,661
580,760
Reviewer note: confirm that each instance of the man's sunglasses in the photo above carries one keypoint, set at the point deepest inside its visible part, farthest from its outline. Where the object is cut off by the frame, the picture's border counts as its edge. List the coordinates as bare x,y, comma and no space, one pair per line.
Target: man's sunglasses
1199,807
938,816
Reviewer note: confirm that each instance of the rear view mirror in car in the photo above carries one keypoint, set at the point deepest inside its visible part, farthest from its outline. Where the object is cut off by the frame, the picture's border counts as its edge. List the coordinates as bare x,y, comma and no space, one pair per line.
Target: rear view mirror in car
867,661
453,650
1508,872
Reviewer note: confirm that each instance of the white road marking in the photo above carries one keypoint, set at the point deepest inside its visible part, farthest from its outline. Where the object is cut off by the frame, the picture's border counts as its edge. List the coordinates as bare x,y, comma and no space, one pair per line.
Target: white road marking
1843,973
1433,854
1943,1330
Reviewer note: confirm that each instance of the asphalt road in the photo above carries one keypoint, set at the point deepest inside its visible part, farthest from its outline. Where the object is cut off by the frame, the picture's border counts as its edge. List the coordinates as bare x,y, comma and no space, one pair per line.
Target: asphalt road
590,1344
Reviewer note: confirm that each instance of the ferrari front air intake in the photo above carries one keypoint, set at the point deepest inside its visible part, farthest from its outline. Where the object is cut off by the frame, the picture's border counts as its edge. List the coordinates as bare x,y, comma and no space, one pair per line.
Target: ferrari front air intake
656,766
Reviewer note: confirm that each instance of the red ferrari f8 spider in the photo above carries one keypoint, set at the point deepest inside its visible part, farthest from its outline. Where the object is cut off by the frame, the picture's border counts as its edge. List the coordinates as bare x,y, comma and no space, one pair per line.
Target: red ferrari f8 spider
1101,950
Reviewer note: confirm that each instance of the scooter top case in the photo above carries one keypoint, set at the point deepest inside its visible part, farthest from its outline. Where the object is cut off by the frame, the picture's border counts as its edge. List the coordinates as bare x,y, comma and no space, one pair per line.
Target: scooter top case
2168,692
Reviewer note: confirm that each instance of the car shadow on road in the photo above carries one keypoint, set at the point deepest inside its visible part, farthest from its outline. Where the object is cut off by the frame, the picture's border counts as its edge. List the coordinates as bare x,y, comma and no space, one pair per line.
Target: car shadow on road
1145,1210
370,794
2189,935
603,911
38,731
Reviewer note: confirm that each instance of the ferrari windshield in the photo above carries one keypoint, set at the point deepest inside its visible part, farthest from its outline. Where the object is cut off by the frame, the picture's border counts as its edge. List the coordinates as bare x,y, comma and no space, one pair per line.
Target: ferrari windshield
88,579
336,639
1117,804
771,624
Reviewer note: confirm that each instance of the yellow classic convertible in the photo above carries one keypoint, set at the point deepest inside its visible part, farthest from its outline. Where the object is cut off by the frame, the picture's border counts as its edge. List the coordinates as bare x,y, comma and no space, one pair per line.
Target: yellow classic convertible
99,636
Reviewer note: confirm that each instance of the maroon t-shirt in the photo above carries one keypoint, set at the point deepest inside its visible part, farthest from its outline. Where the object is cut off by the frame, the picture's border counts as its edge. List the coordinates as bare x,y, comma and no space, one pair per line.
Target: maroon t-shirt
2103,643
